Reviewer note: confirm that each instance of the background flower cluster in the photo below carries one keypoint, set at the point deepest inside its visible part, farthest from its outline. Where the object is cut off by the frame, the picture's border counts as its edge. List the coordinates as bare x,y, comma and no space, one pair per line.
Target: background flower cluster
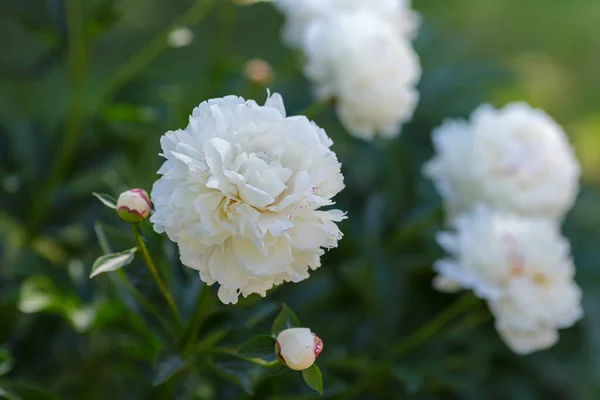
88,89
508,178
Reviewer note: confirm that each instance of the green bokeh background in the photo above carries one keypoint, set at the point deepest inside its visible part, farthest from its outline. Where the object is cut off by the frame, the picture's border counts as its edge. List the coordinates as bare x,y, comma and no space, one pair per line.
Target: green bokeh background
88,86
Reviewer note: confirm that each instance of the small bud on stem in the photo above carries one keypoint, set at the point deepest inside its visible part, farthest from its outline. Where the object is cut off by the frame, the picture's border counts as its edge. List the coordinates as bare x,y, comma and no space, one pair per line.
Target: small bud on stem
133,206
298,348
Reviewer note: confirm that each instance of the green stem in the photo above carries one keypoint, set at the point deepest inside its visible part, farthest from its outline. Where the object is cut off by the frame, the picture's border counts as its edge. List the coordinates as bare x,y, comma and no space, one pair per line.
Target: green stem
141,246
471,322
263,363
77,67
233,353
144,303
423,222
154,48
431,328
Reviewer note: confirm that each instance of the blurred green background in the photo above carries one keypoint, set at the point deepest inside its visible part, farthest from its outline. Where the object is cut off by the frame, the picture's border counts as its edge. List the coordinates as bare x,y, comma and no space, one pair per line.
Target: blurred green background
88,86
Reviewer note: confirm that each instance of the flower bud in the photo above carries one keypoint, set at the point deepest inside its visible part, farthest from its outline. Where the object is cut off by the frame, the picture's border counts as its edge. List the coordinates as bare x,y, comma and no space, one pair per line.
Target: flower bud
133,206
298,348
259,72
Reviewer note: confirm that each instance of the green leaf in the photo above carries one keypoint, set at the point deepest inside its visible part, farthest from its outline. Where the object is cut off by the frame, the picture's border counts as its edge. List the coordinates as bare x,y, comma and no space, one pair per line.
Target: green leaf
259,313
25,391
166,368
410,378
82,317
261,346
237,372
107,200
113,262
38,293
102,238
6,362
286,319
313,378
4,395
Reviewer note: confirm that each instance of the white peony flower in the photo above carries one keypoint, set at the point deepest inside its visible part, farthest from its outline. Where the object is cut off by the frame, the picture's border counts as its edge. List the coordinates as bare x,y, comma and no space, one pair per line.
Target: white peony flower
298,348
301,13
490,247
522,266
370,70
535,305
240,193
134,206
528,341
516,158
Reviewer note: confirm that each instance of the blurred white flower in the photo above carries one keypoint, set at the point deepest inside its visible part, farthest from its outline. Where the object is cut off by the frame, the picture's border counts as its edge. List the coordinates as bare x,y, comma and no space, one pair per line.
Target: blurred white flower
528,341
535,305
370,70
180,37
359,52
298,348
134,206
489,247
240,193
516,158
301,13
522,266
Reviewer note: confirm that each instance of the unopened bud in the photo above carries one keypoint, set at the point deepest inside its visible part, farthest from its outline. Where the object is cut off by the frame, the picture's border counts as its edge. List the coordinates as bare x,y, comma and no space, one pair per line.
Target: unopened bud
298,348
133,206
259,72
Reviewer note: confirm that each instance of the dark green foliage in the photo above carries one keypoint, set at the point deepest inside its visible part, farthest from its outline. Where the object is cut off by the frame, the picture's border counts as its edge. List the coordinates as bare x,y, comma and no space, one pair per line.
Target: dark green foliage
260,346
286,319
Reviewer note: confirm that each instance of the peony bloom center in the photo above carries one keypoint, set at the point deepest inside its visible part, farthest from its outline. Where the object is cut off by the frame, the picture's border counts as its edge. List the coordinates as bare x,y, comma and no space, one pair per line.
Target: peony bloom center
253,178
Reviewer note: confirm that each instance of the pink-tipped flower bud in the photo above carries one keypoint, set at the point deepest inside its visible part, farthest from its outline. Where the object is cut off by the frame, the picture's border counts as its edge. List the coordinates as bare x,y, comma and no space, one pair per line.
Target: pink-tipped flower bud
133,206
298,348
